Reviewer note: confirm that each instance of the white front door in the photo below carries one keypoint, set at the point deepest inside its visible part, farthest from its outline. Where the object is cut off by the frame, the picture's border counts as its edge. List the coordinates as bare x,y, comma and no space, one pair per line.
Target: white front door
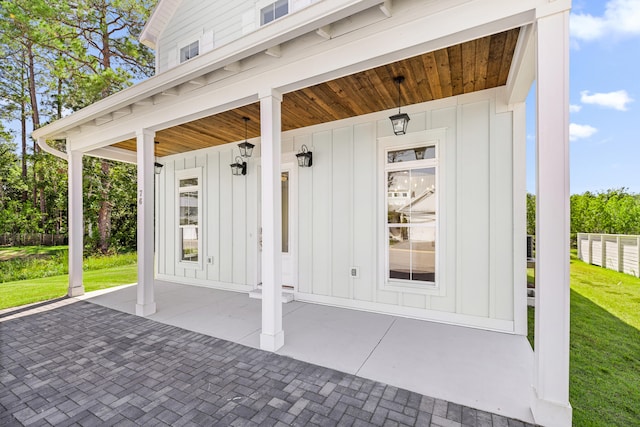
289,264
289,227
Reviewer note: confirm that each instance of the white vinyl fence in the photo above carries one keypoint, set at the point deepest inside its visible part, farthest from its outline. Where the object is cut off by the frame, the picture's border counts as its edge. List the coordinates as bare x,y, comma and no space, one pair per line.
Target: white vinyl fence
618,252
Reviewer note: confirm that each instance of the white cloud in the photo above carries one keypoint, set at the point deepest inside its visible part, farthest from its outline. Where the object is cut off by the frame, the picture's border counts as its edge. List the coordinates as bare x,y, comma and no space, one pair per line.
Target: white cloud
617,100
621,18
580,131
574,108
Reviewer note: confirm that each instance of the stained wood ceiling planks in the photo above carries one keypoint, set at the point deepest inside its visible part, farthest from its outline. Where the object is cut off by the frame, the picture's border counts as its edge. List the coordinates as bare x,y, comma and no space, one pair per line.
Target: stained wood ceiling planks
472,66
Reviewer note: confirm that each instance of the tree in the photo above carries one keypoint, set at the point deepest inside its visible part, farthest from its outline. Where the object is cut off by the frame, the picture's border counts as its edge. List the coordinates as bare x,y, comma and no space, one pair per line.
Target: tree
59,55
107,59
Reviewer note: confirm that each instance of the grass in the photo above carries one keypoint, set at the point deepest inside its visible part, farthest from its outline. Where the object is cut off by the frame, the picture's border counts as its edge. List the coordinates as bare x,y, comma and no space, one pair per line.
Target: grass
604,384
13,294
37,273
34,262
14,252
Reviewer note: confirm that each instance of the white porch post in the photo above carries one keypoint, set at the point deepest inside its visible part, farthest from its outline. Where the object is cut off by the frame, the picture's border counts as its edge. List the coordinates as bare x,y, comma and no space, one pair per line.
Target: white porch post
550,405
146,304
272,336
76,224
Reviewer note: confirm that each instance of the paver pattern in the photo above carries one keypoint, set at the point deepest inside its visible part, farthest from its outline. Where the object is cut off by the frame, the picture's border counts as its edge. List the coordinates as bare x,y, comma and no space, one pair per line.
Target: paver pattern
77,363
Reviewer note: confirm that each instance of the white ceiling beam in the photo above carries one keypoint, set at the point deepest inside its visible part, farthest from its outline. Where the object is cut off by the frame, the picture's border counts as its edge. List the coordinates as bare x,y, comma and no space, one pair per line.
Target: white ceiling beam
274,51
173,91
104,119
144,102
122,112
234,67
114,153
200,81
385,7
324,32
523,68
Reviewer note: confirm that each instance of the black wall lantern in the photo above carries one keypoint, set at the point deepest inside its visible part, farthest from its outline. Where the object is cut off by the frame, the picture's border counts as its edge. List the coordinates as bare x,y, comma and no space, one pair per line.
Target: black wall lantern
246,148
399,121
305,157
239,167
157,167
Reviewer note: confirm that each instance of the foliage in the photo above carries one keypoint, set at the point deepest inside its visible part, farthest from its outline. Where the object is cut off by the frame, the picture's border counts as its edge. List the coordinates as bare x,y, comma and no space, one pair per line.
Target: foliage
614,211
56,57
55,262
531,214
605,346
13,294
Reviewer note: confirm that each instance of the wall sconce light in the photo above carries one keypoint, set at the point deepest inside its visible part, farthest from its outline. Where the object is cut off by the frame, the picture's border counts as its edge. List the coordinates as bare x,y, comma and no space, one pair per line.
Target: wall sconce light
157,167
305,157
401,120
239,167
246,148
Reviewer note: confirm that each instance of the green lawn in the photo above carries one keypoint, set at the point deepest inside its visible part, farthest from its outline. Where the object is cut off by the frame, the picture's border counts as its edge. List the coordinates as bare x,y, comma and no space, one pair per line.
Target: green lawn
22,292
604,387
12,252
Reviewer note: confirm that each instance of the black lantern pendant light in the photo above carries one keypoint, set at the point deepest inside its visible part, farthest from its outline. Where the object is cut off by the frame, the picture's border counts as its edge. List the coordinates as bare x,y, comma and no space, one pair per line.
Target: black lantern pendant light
401,120
305,157
246,148
239,167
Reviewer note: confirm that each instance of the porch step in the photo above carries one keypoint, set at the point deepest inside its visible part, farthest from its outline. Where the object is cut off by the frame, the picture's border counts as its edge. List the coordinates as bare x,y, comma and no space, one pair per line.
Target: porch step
286,296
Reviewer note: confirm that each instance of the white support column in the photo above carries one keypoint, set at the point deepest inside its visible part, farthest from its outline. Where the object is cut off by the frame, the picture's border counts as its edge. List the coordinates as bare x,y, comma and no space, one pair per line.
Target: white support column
550,403
272,336
146,304
76,224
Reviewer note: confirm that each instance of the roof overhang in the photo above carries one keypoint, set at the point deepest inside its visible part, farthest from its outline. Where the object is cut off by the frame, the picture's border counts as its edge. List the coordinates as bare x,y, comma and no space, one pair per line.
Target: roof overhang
160,17
425,28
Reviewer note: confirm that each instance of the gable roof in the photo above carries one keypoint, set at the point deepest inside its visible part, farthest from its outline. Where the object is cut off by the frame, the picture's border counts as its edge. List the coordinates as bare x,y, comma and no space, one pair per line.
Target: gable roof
160,17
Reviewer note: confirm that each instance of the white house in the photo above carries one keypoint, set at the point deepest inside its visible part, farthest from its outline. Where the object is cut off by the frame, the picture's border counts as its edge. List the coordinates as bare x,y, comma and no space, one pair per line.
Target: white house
429,224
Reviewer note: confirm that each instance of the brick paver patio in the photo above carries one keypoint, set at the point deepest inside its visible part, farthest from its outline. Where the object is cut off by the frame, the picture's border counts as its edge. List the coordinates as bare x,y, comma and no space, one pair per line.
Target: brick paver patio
76,363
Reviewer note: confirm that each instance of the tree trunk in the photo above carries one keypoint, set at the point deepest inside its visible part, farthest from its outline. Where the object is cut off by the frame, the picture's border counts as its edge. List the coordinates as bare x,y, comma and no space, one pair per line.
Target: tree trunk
104,214
23,124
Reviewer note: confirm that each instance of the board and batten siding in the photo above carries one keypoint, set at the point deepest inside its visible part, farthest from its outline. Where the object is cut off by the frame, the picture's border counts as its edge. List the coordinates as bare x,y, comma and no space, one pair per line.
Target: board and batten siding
213,23
619,252
339,226
228,229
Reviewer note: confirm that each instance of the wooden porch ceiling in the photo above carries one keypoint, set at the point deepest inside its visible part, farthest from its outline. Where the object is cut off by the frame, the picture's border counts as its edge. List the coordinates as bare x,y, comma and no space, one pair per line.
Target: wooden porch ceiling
468,67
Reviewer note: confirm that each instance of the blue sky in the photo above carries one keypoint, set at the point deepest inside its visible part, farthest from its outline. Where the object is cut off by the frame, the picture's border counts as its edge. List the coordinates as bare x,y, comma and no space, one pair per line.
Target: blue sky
604,98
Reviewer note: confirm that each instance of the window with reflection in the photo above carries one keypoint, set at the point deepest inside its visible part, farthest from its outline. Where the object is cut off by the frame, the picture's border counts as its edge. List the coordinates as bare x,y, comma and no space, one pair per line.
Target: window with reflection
411,206
189,219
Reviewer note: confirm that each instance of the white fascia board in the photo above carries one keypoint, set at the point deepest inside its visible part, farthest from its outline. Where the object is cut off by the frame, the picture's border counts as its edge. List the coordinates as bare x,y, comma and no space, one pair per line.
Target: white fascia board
114,153
306,20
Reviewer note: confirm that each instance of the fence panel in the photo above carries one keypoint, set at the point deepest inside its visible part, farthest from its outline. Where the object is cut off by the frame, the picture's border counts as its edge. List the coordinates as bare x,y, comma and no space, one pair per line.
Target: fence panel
33,239
618,252
629,255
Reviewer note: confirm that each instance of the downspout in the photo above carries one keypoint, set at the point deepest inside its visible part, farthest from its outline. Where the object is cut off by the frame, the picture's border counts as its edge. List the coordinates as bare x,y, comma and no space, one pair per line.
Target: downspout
42,142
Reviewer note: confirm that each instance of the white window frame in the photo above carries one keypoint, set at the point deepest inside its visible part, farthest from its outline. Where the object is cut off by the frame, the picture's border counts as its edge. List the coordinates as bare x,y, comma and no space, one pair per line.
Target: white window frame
394,143
260,6
181,175
188,45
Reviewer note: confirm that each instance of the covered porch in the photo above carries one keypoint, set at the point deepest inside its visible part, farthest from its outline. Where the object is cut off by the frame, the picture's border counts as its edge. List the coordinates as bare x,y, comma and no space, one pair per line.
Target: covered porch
468,70
490,371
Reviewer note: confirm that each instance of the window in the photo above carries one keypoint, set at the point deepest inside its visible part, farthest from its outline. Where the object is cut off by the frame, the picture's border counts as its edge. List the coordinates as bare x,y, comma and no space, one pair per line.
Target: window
411,210
189,217
274,11
189,51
